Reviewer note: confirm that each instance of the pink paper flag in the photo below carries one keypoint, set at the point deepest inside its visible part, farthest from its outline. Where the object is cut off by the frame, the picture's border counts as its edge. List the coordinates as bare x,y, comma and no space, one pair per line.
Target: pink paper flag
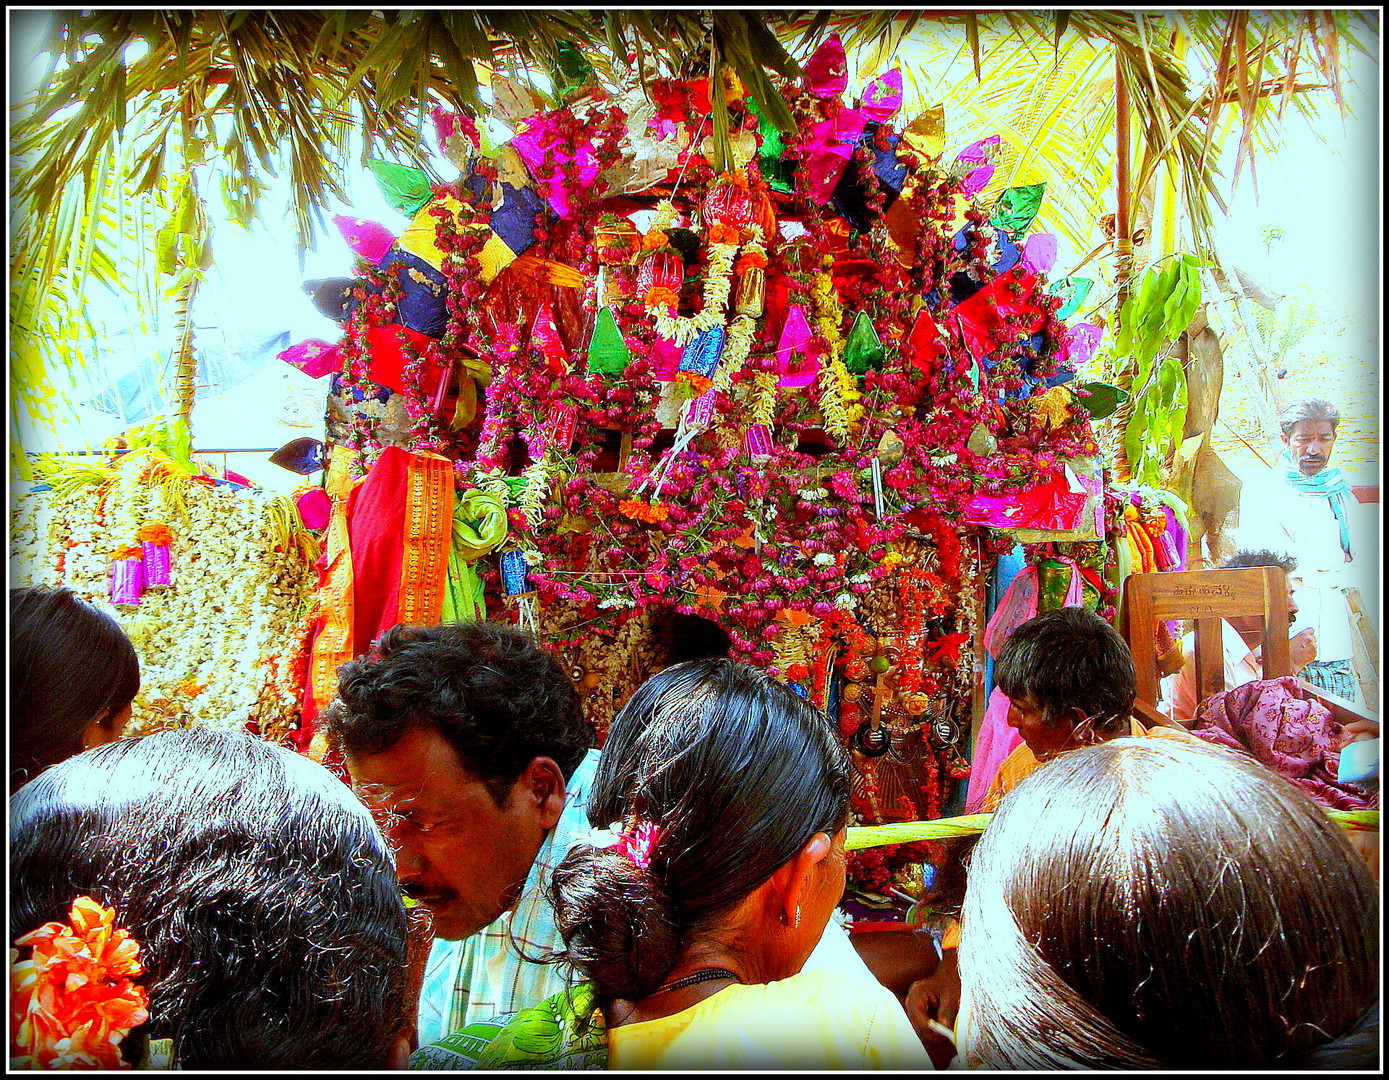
882,97
981,151
1082,340
532,144
1039,252
315,358
665,359
827,152
827,70
794,335
981,154
977,180
446,123
366,238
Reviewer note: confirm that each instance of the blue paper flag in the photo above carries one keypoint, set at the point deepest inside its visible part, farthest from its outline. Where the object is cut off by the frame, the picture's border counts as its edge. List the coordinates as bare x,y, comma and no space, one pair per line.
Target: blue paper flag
514,220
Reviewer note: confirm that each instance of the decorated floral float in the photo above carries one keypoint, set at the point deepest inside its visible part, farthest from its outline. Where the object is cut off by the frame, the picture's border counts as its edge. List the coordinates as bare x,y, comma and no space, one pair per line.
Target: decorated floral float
790,408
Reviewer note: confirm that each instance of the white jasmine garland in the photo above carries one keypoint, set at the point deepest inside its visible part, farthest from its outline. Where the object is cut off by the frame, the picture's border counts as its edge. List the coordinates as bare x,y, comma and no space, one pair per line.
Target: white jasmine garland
233,619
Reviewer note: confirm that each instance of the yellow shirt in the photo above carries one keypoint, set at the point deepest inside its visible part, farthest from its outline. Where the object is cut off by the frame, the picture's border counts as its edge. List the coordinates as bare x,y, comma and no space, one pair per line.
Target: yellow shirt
1022,763
814,1020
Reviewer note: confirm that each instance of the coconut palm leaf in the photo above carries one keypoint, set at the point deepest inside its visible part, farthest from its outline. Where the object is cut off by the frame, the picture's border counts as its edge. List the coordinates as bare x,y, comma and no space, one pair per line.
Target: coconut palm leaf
310,93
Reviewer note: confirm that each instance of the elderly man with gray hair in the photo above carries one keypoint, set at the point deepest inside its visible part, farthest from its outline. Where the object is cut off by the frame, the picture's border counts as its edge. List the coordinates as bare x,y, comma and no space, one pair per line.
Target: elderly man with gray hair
1307,509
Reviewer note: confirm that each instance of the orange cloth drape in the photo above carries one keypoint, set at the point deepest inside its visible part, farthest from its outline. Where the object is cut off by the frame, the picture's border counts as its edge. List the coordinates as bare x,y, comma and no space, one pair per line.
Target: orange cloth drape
385,562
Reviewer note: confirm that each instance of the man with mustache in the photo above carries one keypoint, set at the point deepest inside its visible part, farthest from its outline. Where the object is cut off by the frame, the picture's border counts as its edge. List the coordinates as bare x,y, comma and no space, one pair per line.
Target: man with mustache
1307,509
469,744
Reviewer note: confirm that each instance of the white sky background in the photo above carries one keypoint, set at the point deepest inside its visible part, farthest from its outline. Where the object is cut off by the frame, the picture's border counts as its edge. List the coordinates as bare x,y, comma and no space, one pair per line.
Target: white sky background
1324,196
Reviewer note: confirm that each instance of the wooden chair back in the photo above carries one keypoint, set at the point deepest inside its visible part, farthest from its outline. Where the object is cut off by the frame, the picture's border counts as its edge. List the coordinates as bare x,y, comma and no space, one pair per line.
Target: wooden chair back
1204,597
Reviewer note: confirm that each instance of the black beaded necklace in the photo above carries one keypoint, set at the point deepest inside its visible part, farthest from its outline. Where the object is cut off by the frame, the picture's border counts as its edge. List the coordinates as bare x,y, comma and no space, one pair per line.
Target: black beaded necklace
707,975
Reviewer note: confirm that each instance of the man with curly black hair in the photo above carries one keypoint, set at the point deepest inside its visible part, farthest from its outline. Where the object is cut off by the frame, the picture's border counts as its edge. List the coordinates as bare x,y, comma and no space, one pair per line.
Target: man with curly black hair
469,743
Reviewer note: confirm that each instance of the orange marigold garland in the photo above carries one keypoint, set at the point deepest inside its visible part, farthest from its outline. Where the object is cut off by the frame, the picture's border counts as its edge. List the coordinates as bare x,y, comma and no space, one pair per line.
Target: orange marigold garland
73,1001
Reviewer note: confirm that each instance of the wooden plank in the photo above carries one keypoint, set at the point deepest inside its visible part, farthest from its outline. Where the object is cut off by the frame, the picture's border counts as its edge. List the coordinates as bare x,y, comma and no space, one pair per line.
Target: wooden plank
1364,656
1209,658
1276,658
1193,594
1138,606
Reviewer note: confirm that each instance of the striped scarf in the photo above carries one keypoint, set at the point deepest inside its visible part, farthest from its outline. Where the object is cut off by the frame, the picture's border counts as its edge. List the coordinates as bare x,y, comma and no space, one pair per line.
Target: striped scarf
1330,483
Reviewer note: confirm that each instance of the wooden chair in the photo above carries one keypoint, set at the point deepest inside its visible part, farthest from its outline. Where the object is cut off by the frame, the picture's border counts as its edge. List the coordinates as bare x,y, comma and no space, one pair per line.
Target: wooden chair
1205,597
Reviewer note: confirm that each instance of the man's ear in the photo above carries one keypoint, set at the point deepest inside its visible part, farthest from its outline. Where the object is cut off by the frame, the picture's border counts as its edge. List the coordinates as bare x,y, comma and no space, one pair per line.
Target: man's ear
794,877
542,782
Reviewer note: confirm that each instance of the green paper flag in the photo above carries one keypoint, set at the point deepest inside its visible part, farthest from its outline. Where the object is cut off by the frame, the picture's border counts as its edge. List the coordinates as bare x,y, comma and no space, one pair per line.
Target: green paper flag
777,172
1073,292
405,188
1101,399
571,69
863,348
607,352
1015,209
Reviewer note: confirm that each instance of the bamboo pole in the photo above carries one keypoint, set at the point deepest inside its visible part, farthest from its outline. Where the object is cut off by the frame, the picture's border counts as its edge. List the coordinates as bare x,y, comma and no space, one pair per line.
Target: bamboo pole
1123,258
1123,225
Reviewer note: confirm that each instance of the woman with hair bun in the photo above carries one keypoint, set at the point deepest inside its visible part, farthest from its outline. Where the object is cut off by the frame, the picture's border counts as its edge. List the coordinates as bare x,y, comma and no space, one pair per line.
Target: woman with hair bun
1166,905
236,908
722,797
73,676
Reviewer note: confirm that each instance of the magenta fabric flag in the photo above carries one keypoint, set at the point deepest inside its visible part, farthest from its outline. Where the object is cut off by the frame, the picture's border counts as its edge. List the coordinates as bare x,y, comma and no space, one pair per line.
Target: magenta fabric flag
532,145
314,357
446,123
127,580
882,97
827,70
366,238
827,152
792,365
1039,252
665,359
157,563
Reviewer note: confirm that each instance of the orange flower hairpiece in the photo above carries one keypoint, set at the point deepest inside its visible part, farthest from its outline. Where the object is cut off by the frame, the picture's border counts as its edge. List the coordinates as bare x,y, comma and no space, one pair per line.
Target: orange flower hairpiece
73,1002
129,551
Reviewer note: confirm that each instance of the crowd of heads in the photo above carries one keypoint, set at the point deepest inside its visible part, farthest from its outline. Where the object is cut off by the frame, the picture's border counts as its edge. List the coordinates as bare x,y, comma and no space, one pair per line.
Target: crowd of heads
1134,903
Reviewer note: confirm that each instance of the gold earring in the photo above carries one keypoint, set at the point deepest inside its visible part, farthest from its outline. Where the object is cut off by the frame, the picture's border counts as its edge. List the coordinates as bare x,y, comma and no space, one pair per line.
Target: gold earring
797,924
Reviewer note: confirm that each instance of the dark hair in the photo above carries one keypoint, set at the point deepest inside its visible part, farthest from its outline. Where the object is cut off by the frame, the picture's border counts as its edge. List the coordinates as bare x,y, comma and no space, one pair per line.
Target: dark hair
1312,409
1124,883
1241,560
1070,658
263,897
737,771
497,698
70,665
